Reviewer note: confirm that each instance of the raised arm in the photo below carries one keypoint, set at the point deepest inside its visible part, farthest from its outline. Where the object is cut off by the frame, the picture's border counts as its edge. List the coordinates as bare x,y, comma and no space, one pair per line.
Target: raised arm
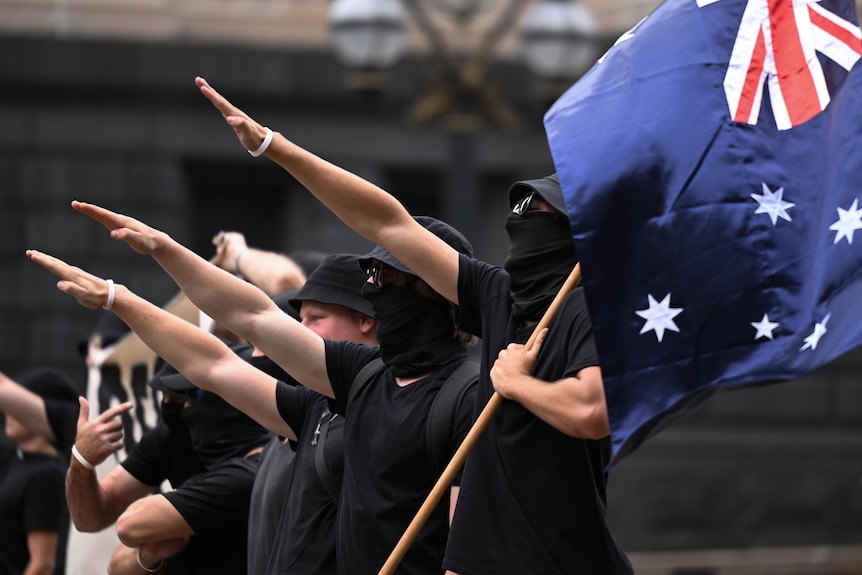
24,405
236,304
197,354
272,272
366,208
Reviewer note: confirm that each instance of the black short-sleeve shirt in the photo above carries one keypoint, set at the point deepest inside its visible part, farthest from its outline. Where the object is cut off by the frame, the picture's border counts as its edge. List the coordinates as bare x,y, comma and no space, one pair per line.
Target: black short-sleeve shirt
215,505
163,454
532,498
32,498
300,523
387,473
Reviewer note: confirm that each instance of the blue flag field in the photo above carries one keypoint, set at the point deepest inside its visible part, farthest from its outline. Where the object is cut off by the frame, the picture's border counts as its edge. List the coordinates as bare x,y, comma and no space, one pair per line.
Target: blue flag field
711,164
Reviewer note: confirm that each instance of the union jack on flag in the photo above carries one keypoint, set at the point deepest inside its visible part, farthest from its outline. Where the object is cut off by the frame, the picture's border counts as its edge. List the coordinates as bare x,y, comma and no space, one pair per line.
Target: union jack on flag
777,44
710,164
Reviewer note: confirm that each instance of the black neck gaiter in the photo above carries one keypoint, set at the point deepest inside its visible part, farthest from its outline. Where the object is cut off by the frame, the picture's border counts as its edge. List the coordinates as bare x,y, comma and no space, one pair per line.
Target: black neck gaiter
218,430
541,257
415,333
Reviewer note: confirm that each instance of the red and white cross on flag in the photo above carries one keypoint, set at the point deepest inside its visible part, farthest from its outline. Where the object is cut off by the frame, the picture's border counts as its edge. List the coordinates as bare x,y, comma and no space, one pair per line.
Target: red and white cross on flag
776,45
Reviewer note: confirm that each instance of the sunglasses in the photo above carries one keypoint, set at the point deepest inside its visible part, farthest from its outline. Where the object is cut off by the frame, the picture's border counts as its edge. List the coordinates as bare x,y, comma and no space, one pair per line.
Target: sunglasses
375,274
523,205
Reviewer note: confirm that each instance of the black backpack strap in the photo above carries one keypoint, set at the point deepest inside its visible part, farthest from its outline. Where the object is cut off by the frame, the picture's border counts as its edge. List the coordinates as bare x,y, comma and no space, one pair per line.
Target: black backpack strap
365,375
319,441
440,429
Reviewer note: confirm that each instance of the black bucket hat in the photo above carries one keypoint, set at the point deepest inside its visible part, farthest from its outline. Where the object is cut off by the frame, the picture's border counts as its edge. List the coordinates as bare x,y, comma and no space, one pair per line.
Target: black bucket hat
50,384
437,227
547,187
336,281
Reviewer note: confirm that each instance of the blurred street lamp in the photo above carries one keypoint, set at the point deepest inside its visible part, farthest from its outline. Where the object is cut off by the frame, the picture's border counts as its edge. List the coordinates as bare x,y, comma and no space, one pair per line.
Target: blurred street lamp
558,41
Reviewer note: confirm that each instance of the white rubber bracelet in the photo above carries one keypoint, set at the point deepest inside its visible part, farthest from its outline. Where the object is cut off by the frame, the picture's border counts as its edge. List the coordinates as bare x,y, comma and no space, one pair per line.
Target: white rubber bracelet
267,140
81,459
145,568
111,293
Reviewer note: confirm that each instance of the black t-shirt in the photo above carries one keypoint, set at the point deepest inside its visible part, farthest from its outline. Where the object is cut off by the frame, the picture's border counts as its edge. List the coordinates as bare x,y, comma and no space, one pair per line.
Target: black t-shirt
32,498
387,473
163,454
299,526
268,499
215,505
532,498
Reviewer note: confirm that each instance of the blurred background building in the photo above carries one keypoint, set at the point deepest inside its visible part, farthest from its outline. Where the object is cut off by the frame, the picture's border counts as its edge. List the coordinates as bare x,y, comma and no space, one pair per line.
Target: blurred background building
441,103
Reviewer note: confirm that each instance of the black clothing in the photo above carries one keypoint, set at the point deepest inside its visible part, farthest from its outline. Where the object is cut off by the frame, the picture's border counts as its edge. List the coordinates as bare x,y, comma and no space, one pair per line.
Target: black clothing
541,256
415,332
268,500
387,473
163,453
32,498
532,498
215,505
294,530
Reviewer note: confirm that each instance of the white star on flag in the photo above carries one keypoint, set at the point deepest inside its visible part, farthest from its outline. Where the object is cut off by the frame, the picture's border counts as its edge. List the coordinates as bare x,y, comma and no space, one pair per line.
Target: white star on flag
764,327
772,203
848,222
659,316
819,330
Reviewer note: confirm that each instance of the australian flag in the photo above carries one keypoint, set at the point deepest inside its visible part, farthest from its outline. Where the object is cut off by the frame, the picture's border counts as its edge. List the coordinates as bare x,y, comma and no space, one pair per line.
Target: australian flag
710,163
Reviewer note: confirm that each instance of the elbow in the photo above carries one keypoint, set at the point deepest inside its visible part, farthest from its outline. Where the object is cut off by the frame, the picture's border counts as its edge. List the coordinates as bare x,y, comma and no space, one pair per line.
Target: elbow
86,526
128,533
589,423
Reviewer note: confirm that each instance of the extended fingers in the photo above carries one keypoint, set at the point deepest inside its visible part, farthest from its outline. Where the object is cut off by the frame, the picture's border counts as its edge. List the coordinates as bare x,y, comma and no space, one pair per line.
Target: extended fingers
107,218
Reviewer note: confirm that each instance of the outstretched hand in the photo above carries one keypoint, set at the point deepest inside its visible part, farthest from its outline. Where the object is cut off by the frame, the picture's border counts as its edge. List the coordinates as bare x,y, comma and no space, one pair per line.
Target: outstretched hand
98,439
90,291
141,237
249,132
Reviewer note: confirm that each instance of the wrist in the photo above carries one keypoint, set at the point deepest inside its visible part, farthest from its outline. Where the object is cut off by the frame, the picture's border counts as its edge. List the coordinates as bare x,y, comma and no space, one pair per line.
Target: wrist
147,563
83,461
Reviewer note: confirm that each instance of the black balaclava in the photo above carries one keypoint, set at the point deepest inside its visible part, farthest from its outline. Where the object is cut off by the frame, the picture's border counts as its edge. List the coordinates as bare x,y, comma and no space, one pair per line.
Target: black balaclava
172,416
218,430
541,256
415,332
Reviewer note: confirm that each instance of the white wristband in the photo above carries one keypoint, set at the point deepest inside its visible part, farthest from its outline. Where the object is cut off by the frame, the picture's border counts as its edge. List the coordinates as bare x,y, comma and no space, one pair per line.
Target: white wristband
267,140
111,292
145,568
81,459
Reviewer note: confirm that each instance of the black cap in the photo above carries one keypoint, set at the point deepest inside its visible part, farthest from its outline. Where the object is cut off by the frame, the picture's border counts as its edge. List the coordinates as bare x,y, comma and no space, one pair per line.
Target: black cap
284,300
439,228
547,187
168,379
49,383
336,281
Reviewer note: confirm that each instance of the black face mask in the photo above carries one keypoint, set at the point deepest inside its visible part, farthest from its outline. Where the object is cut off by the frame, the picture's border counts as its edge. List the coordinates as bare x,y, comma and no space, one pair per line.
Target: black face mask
172,416
218,430
415,333
541,257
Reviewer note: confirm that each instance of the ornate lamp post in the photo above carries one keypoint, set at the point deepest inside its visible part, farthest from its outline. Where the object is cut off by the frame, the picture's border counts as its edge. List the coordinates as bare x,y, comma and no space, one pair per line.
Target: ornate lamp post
558,44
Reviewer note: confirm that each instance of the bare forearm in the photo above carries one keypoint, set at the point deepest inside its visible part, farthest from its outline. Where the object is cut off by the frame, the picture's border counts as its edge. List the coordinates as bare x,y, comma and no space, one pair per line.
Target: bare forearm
24,405
563,404
88,503
227,299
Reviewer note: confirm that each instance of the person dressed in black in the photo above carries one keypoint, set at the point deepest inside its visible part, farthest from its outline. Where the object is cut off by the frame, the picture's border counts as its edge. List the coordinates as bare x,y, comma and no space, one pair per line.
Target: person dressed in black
207,450
34,518
387,471
298,484
534,485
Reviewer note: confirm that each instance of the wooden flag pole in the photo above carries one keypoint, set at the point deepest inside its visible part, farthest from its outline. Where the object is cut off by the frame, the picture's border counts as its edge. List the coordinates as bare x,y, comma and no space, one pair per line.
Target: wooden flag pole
470,440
